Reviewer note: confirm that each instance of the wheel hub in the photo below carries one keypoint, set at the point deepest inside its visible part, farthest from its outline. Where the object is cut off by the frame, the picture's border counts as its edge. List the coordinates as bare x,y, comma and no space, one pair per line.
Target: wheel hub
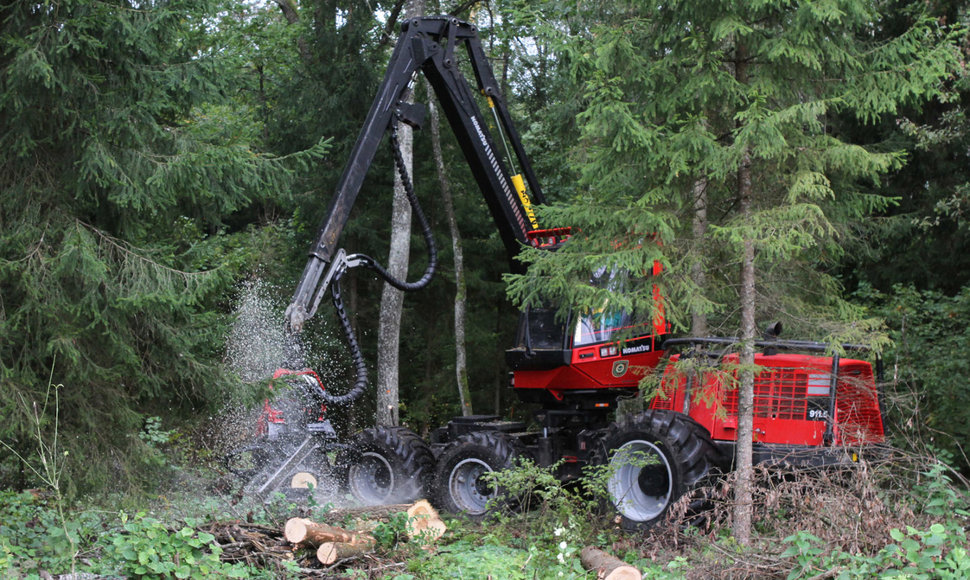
469,487
640,481
371,479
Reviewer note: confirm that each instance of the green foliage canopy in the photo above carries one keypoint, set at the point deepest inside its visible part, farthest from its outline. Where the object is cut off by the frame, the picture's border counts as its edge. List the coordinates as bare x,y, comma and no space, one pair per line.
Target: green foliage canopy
120,168
678,97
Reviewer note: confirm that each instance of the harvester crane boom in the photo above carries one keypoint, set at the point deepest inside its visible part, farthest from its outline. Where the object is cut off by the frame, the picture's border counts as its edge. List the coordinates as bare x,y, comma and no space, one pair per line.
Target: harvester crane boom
429,45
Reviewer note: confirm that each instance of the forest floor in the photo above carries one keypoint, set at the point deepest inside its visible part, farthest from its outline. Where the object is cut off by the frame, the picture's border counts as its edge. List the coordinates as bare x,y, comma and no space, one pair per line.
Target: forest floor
901,516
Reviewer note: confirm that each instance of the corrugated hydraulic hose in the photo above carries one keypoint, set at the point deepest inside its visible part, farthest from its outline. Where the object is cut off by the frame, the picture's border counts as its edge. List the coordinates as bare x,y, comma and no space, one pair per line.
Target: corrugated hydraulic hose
360,385
359,364
422,222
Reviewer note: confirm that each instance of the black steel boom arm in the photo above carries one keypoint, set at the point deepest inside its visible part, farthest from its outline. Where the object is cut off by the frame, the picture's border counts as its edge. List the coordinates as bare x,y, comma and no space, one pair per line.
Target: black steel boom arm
428,45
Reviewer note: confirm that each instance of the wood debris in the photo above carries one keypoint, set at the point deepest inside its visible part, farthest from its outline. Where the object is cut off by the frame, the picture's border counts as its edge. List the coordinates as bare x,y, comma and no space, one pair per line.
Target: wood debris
333,544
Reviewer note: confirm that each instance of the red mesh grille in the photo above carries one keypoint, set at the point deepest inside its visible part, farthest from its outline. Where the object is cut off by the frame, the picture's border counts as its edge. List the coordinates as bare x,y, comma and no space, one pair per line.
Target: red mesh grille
857,406
665,400
796,390
779,393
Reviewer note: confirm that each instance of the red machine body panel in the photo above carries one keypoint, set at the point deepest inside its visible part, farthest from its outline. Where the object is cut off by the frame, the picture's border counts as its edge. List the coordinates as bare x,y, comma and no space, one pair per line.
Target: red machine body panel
792,401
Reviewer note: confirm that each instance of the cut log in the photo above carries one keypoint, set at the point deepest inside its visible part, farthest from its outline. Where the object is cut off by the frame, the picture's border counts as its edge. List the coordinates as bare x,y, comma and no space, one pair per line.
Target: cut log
303,531
330,552
607,567
374,512
424,522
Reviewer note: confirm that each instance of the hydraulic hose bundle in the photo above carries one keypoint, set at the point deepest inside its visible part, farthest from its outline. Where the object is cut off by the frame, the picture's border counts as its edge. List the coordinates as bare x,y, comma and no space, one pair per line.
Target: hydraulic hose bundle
360,385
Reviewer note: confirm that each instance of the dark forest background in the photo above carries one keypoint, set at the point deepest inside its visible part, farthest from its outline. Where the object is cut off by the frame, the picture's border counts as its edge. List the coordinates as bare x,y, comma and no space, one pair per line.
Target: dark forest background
161,156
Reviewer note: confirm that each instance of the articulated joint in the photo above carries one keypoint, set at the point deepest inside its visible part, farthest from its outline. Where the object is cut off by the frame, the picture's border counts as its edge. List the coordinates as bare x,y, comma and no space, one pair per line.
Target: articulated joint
297,312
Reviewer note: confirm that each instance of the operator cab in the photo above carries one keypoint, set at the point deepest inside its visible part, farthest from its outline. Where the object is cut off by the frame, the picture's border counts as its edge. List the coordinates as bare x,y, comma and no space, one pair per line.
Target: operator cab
585,360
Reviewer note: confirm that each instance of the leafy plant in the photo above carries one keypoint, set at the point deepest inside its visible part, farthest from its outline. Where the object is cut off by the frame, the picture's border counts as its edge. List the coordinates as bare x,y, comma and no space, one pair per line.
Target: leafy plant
49,464
467,560
549,502
936,495
34,535
153,434
388,534
939,552
146,549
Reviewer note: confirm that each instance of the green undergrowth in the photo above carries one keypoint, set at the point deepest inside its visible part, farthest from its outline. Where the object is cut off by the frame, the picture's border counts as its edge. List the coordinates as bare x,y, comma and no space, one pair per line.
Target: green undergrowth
35,542
904,518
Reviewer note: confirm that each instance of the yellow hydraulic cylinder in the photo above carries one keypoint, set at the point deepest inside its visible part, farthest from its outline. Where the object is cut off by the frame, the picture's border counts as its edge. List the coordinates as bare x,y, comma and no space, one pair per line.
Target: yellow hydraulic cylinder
519,184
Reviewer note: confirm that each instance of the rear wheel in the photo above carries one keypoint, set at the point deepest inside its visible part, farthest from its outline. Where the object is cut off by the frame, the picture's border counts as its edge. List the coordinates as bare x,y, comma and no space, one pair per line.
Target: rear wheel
653,460
461,485
387,465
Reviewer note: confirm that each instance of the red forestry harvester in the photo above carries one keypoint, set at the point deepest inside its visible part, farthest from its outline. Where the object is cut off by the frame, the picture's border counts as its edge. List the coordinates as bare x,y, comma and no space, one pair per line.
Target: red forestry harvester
809,408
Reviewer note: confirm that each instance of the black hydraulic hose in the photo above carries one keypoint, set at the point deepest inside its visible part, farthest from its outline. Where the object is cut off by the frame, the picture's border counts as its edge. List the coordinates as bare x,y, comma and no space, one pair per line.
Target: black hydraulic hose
422,221
361,384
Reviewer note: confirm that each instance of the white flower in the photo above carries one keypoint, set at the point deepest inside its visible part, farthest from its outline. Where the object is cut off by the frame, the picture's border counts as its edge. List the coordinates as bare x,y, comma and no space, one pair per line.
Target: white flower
559,531
561,558
562,546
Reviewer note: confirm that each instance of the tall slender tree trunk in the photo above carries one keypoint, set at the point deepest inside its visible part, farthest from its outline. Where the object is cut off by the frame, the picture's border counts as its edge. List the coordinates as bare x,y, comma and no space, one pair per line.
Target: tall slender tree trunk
698,275
392,299
461,366
743,459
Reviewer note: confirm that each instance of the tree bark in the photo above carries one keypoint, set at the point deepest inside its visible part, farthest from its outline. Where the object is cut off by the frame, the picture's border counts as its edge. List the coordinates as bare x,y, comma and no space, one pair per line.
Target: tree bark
423,520
743,455
388,33
330,552
697,273
607,567
374,512
309,533
392,299
461,365
292,15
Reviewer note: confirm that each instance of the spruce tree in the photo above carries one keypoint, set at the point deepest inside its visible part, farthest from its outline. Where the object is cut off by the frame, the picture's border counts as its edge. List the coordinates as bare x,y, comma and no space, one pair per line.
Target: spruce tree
747,99
122,163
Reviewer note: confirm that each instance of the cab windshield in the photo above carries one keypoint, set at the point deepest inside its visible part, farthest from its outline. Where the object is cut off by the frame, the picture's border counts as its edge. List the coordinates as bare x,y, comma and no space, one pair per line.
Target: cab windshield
607,323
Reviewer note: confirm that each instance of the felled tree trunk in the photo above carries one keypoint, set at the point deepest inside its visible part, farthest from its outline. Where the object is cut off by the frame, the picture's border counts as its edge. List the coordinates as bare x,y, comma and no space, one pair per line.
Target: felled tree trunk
306,532
607,567
333,544
373,512
330,552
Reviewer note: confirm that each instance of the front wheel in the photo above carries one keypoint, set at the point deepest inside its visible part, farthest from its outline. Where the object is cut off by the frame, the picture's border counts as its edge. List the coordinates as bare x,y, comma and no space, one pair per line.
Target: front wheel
461,482
387,465
652,461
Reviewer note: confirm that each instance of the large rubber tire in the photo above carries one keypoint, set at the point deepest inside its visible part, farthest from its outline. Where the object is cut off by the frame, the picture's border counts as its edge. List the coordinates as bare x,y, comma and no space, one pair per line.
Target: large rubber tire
460,485
387,465
653,459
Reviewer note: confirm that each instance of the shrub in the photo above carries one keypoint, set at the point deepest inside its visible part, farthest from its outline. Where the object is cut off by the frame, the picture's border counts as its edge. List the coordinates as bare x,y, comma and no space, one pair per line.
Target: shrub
145,549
